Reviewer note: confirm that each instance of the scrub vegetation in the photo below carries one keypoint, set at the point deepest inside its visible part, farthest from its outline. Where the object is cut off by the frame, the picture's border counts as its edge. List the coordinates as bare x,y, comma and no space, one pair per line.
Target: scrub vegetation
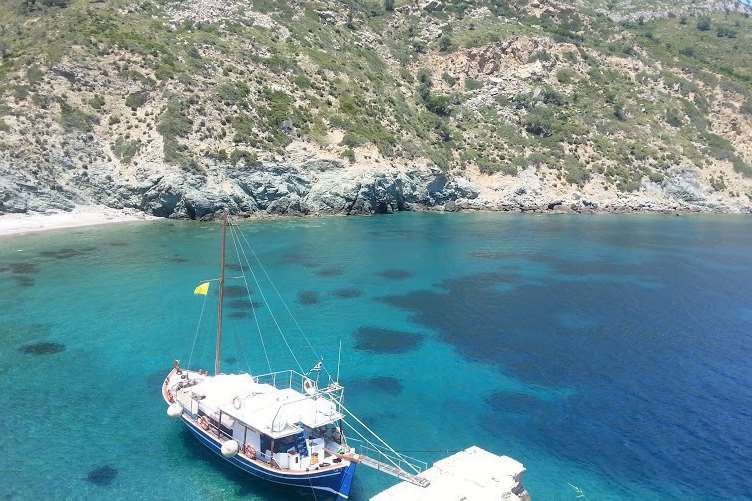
576,91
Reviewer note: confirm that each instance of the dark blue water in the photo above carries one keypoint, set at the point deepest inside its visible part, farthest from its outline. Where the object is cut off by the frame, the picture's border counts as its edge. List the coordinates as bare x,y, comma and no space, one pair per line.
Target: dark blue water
608,353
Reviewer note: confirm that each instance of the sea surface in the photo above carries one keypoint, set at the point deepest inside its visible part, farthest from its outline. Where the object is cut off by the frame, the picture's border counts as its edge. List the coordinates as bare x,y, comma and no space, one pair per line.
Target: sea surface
612,355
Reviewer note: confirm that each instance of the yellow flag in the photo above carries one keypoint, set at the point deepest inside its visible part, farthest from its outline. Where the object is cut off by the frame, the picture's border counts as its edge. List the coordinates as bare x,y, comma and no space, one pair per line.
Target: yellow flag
202,289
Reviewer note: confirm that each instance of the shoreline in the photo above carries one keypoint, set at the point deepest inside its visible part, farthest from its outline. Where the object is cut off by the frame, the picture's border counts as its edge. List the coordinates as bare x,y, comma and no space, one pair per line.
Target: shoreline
87,215
95,215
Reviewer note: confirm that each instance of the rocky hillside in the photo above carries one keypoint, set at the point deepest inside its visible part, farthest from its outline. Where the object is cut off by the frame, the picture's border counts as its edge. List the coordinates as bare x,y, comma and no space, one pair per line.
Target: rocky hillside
180,108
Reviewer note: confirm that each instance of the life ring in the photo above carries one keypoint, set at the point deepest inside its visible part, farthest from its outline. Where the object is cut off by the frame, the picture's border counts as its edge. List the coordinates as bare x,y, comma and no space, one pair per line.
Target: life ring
170,396
237,403
203,422
249,451
309,386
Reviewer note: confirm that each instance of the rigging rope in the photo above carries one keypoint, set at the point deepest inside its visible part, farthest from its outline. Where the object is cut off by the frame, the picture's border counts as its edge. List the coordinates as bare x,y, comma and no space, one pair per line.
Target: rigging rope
195,336
253,308
284,303
263,297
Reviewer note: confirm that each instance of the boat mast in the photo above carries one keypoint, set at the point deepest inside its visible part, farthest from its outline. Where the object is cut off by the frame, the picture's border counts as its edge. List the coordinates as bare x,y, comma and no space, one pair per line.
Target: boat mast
218,347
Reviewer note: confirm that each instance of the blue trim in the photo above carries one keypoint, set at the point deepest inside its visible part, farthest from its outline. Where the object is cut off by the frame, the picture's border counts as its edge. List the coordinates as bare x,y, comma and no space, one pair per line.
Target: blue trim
336,482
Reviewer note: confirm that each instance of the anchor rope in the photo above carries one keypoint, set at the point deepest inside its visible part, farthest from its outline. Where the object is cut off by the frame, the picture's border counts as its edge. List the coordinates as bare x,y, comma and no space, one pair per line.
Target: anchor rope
284,303
263,297
195,336
250,301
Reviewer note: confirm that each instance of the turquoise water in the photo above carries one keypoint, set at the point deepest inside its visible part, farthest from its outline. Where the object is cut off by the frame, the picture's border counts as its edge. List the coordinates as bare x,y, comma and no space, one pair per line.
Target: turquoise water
611,353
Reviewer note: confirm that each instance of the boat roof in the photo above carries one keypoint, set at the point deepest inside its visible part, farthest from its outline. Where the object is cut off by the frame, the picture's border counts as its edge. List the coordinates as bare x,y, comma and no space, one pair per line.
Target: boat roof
272,411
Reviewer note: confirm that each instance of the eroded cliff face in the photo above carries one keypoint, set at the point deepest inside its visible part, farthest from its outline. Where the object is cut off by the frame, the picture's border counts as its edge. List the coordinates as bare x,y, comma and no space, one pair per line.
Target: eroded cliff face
183,109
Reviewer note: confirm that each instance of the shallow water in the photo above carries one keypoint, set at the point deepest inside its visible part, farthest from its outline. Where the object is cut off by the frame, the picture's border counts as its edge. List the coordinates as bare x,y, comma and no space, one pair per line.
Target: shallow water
610,353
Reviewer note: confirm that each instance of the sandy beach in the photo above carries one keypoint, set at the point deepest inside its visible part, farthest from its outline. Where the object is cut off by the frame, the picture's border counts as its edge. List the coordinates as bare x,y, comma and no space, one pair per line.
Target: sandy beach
16,224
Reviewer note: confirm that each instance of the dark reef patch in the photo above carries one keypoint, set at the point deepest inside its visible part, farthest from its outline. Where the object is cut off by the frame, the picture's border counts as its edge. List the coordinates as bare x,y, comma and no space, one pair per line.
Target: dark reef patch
102,476
395,274
240,304
492,255
300,259
118,244
156,379
231,360
235,267
44,348
177,259
67,252
23,281
308,297
347,293
23,268
239,314
384,384
236,291
375,340
332,271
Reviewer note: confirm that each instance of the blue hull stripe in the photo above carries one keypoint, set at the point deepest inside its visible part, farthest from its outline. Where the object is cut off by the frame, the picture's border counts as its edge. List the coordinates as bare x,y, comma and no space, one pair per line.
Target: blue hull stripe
337,482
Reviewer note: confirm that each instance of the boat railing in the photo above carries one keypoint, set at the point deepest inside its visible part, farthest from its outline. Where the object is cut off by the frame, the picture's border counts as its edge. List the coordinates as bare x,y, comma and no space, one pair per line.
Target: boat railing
293,379
403,461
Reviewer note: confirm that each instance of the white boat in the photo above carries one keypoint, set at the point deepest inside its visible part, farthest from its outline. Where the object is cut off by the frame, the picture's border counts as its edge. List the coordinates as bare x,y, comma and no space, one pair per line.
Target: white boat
286,427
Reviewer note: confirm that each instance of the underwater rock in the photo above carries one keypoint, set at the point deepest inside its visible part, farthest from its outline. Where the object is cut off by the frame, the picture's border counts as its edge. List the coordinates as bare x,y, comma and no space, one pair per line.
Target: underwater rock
66,253
308,297
333,271
102,476
385,384
23,268
395,274
44,348
347,293
235,291
386,341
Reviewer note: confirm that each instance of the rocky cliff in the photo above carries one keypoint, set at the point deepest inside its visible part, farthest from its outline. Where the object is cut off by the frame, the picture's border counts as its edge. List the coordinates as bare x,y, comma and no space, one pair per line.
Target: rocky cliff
181,109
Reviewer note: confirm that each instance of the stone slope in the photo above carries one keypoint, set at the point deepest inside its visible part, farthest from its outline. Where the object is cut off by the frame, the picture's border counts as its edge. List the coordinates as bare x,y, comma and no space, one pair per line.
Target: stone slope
182,109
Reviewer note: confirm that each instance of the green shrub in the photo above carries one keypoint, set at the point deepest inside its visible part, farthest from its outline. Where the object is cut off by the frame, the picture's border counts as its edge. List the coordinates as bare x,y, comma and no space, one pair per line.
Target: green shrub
97,102
742,167
746,108
445,43
472,84
34,74
565,75
353,140
725,32
674,117
73,119
4,127
173,122
575,173
247,157
449,79
243,125
125,150
136,100
388,5
232,93
703,24
302,81
719,147
539,122
437,103
349,154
